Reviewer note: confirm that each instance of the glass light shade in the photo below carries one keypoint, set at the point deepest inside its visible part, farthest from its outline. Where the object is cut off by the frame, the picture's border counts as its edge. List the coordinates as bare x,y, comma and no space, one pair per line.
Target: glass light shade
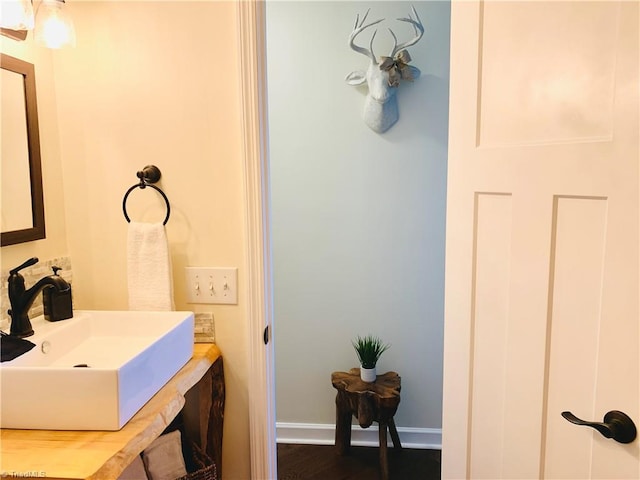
54,27
16,14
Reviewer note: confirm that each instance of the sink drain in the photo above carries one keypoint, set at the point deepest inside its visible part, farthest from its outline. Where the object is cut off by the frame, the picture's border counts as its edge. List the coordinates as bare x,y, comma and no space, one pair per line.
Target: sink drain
81,365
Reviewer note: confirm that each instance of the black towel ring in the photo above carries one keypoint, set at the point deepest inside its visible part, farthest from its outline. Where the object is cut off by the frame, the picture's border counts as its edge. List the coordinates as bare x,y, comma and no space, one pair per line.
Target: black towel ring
148,176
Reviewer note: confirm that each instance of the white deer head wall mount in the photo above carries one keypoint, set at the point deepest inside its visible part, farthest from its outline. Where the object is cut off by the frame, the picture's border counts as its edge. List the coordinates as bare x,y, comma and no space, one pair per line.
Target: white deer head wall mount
383,77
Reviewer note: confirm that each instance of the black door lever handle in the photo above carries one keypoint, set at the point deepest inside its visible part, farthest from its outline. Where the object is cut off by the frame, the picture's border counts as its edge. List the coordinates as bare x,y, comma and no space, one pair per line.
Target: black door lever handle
616,425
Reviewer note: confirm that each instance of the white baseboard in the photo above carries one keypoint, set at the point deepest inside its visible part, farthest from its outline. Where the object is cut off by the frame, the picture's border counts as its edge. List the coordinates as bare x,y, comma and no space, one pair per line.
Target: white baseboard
324,434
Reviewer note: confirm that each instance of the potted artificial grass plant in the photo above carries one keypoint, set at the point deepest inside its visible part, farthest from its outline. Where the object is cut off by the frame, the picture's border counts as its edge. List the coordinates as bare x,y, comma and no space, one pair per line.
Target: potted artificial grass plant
368,349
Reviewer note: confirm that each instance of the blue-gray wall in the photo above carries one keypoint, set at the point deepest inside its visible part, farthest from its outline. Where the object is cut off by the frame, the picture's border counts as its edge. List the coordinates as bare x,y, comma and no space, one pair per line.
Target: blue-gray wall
358,217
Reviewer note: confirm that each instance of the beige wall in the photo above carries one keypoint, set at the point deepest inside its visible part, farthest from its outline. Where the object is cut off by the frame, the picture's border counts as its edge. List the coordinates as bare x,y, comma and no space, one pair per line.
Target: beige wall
150,83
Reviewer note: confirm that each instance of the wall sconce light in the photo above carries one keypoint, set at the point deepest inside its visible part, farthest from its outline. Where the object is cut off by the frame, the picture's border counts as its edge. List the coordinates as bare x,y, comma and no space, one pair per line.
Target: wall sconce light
53,25
16,14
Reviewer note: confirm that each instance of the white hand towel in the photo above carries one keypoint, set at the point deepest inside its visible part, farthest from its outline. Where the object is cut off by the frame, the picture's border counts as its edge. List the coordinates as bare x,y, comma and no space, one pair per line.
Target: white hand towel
149,267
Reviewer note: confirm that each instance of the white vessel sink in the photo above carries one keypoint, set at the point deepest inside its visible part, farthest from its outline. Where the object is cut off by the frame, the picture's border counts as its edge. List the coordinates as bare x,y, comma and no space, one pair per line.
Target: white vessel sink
93,371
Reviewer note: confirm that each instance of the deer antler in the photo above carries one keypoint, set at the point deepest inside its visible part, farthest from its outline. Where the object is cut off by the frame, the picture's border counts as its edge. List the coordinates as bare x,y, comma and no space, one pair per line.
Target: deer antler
358,28
417,28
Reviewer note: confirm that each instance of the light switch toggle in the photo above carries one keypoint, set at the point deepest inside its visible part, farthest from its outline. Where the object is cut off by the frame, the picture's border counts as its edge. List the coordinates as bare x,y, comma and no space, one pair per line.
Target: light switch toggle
212,285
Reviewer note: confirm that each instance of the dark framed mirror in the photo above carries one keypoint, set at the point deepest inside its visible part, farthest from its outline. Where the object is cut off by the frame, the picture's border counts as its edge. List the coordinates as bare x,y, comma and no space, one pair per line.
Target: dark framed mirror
22,207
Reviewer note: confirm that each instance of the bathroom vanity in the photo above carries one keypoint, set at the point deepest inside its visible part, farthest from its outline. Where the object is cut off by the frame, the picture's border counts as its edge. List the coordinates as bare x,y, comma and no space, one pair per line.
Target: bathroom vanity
197,391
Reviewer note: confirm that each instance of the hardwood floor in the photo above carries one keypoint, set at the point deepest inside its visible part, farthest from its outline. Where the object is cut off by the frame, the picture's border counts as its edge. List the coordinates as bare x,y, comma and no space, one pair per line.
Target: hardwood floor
321,462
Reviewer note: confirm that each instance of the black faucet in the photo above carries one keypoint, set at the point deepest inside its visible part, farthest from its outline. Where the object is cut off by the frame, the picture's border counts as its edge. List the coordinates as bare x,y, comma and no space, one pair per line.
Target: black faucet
21,299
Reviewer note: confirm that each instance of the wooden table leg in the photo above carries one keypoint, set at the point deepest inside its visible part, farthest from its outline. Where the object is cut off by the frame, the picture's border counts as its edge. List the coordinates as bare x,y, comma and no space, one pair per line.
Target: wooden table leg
203,413
343,424
216,414
384,464
394,434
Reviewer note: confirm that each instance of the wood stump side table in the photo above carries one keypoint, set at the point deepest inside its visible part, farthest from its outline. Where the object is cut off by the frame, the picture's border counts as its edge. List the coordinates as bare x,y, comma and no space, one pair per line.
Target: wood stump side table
368,402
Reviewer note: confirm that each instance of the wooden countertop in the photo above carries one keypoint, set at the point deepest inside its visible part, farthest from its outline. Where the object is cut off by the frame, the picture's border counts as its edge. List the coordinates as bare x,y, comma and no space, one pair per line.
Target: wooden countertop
100,454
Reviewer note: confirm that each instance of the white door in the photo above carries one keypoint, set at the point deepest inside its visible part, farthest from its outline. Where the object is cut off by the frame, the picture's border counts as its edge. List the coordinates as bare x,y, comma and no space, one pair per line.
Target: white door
541,309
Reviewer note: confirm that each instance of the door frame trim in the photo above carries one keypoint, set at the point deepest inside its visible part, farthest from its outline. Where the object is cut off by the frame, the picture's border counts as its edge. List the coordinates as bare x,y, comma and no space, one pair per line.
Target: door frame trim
259,285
